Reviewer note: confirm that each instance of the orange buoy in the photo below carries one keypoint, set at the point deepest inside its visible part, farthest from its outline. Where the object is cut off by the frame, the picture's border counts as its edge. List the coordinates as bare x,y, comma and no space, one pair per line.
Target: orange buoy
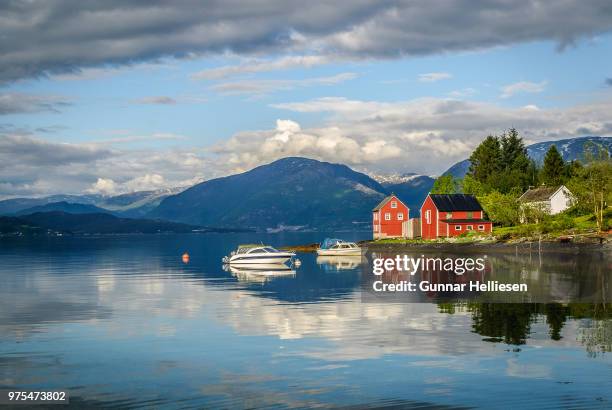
185,257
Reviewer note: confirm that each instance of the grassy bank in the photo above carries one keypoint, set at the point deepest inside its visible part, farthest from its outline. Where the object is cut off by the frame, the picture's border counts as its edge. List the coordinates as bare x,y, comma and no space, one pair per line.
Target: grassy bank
557,228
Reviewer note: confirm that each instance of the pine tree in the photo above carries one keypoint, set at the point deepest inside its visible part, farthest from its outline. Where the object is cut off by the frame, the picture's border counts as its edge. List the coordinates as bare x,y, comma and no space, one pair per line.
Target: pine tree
554,167
513,151
485,161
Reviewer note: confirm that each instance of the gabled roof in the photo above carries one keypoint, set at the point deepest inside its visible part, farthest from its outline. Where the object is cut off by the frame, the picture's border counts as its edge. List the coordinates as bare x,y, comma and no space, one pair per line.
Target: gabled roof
384,202
455,202
542,193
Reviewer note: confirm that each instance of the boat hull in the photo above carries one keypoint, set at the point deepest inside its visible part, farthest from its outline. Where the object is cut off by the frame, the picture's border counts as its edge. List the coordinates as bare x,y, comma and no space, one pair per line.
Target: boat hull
339,252
279,259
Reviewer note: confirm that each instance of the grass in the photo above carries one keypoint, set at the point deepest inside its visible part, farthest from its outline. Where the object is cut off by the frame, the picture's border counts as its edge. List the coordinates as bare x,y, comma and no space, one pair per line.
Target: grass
553,227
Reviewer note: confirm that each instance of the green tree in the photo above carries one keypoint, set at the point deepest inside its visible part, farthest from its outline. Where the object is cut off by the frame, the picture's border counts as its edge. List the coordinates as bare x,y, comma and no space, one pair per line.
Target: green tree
554,169
445,184
515,163
593,184
533,174
469,185
501,208
485,161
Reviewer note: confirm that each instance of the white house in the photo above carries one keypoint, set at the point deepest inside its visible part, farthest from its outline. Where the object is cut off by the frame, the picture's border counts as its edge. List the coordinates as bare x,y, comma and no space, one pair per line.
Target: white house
549,200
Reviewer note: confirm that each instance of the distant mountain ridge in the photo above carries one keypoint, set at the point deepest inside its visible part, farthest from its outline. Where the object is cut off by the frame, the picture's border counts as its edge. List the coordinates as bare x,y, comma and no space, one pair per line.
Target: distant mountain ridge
291,192
64,206
131,205
570,149
55,222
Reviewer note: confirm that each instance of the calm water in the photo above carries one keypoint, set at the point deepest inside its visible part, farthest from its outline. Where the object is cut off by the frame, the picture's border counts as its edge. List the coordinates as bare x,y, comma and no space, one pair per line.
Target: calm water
122,322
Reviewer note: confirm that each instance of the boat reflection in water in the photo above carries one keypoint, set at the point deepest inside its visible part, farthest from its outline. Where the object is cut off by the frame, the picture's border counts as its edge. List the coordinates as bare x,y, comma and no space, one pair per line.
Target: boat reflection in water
260,273
340,262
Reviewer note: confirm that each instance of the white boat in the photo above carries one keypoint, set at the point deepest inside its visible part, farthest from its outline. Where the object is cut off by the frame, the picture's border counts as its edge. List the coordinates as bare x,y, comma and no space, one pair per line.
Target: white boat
338,247
260,272
258,254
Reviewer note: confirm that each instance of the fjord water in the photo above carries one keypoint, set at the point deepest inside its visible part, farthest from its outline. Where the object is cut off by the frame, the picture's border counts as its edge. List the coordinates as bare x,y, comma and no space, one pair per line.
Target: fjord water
121,321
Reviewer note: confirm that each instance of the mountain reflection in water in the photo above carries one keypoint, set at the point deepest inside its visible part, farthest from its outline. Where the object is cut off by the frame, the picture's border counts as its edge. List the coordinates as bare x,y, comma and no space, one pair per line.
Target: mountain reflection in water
123,322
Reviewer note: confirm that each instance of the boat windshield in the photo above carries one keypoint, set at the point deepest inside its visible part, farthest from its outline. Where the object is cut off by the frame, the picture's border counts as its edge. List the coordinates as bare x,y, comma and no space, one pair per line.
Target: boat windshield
329,243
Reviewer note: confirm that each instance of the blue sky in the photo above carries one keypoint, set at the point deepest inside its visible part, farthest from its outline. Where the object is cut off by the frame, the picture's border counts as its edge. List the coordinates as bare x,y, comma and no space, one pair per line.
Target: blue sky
135,114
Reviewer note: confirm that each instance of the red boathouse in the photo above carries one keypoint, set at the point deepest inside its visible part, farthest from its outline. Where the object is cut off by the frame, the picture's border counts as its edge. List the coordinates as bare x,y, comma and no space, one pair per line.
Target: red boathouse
388,217
446,215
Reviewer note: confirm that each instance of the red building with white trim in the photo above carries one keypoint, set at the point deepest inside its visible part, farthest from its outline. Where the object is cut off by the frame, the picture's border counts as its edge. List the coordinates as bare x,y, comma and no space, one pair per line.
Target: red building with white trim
388,217
447,215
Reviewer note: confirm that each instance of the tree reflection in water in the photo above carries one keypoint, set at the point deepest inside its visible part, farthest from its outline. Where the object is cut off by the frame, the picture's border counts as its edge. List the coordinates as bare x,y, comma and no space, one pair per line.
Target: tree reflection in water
511,323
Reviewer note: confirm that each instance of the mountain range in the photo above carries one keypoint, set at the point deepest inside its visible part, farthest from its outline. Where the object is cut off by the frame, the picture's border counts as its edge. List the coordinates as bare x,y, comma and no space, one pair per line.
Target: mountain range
131,205
288,194
570,149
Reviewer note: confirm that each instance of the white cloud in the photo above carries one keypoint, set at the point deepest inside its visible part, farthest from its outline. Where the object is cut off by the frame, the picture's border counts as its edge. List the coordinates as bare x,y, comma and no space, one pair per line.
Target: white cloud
104,186
433,77
462,93
156,100
18,103
522,87
259,87
257,66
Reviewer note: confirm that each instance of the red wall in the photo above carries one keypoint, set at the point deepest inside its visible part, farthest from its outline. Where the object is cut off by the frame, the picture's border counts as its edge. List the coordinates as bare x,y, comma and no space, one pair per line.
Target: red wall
428,231
394,226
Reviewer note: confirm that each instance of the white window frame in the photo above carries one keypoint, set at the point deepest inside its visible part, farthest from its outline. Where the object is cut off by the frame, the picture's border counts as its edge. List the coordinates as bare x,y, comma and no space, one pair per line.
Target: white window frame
428,216
393,204
387,216
375,228
469,228
457,227
376,216
400,216
481,227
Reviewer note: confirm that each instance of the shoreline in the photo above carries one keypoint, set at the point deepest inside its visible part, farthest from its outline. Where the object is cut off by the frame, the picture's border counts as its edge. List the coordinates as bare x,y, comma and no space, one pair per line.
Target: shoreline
583,244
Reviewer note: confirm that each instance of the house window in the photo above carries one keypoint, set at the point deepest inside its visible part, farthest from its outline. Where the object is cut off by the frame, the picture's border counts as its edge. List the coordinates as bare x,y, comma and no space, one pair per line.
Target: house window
469,228
393,204
400,216
387,216
481,227
376,216
449,215
470,215
457,227
375,228
428,217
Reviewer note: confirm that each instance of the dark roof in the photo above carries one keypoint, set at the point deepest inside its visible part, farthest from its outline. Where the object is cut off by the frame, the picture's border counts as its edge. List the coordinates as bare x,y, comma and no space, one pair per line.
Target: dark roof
455,202
384,201
542,193
460,221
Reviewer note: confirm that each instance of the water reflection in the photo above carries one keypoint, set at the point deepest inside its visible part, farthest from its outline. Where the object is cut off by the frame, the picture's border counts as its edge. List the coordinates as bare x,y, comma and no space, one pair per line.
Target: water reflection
338,263
124,323
259,273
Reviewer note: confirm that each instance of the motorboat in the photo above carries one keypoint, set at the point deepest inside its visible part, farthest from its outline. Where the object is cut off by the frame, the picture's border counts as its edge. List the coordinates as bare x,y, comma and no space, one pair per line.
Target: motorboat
338,247
258,254
260,272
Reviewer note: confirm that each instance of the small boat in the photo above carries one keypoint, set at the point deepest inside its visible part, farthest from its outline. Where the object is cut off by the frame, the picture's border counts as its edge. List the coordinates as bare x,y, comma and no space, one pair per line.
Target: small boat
258,254
338,247
260,272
